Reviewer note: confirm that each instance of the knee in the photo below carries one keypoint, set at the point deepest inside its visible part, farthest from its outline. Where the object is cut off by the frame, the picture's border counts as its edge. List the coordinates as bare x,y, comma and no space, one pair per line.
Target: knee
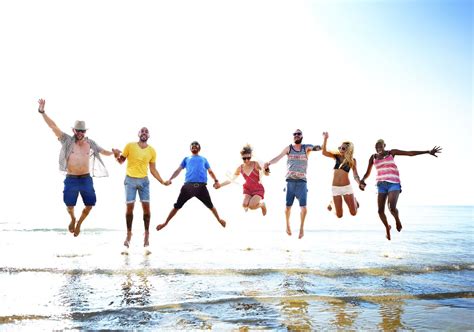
393,210
87,208
146,216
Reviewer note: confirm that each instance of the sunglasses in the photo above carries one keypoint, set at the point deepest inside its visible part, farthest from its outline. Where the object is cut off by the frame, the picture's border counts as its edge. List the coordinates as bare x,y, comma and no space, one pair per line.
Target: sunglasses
342,148
246,158
80,130
297,134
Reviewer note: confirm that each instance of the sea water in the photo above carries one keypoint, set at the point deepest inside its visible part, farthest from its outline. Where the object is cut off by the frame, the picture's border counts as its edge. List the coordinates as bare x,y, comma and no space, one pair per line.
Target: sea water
343,274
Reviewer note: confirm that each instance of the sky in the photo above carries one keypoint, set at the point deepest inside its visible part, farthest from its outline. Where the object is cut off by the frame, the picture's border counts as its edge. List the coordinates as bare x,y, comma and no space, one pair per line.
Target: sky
227,73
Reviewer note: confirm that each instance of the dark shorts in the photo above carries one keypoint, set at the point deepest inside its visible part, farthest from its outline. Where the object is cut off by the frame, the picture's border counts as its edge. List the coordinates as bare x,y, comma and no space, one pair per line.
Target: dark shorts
296,189
190,190
79,184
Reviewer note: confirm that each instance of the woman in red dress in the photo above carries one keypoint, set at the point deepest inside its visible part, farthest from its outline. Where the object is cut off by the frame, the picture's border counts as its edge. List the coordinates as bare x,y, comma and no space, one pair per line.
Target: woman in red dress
253,188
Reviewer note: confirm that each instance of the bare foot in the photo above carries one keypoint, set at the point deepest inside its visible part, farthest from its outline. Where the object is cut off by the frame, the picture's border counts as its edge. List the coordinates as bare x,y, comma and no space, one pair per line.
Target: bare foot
160,226
288,230
77,229
126,243
72,225
222,222
399,226
329,208
146,241
301,234
388,231
264,209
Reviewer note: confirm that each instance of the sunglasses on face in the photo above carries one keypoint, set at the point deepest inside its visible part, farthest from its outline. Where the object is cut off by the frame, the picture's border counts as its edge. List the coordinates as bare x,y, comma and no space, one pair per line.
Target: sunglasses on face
246,158
342,148
297,134
80,130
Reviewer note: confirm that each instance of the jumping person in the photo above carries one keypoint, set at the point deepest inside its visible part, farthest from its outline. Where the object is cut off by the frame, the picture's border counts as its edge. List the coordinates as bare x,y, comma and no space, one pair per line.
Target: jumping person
388,179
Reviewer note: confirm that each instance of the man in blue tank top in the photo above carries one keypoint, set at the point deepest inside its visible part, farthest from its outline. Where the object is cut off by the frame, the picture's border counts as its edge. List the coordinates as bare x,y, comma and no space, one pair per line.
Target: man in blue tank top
297,164
195,183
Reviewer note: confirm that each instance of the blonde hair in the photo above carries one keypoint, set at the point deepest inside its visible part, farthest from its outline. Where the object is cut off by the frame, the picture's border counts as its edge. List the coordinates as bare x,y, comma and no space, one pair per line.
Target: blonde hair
349,155
247,149
380,141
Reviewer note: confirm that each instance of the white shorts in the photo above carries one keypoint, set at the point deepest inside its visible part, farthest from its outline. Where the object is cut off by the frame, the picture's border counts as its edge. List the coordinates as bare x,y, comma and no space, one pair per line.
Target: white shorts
344,190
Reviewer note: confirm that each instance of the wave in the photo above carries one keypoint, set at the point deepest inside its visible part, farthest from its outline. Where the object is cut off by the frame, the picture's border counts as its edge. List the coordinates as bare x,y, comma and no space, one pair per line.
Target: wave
335,273
192,304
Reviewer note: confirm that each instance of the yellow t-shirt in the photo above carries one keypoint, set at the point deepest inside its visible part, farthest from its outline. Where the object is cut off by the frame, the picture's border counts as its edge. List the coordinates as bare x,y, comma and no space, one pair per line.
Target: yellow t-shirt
138,159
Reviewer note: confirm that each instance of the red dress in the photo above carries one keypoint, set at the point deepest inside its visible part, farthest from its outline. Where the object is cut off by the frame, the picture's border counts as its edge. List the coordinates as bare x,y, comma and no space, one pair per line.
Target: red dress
252,185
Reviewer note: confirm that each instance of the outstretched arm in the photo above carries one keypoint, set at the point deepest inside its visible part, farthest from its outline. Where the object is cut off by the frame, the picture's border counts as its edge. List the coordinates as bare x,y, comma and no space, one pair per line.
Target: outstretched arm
433,152
277,158
51,124
216,184
157,175
234,176
367,173
324,149
175,174
107,152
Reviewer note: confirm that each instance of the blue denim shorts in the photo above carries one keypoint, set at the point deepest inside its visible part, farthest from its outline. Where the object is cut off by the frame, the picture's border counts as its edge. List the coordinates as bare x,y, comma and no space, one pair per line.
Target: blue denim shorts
75,185
298,190
385,187
132,185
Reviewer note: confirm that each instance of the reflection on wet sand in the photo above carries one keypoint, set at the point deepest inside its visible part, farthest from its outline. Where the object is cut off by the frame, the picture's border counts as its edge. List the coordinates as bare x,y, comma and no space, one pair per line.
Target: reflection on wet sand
295,310
345,313
136,289
391,314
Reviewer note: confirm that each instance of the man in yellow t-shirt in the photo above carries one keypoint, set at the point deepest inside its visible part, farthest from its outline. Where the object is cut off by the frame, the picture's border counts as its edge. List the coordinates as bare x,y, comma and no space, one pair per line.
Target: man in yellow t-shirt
140,156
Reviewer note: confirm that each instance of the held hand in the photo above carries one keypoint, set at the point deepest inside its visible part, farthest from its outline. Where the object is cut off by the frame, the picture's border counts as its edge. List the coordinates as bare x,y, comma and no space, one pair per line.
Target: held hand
167,183
435,150
216,185
266,166
116,152
362,185
41,104
325,135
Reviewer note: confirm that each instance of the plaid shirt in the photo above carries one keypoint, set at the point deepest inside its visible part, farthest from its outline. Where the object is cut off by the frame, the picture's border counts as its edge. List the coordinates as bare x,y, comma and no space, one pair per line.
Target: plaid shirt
96,164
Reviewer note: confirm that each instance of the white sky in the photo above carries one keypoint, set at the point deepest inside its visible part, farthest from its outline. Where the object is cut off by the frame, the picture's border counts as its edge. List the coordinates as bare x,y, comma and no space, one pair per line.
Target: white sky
227,73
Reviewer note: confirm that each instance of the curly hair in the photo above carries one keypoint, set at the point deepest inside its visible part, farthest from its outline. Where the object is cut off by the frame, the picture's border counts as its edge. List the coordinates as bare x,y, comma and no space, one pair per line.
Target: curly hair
247,149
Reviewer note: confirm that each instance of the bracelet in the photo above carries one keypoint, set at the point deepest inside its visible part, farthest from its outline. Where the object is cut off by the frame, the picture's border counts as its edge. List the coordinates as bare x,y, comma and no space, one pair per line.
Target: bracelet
40,111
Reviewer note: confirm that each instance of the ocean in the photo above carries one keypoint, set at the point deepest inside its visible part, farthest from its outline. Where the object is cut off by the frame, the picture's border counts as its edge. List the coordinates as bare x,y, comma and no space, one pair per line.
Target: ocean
343,274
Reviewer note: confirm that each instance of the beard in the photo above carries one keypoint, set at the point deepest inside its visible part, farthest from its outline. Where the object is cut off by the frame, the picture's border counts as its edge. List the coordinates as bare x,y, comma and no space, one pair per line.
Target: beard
143,138
299,140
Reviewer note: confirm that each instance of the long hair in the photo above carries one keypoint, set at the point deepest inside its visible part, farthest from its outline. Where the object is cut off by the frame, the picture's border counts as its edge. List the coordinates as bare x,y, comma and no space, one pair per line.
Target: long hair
349,155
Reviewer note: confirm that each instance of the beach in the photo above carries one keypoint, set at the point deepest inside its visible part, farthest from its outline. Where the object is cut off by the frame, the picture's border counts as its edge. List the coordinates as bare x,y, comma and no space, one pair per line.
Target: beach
339,276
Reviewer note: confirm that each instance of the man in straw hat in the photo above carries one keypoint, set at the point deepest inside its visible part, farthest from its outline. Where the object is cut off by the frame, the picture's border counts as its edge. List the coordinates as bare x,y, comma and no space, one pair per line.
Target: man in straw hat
75,159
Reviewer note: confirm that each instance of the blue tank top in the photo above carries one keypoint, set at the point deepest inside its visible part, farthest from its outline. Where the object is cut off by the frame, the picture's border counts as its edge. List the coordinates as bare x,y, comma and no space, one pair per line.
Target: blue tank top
297,163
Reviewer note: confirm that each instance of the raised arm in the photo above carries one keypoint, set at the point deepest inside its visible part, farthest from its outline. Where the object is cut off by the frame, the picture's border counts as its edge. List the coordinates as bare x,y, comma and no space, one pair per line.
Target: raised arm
433,152
324,149
367,173
234,176
277,158
51,124
157,175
